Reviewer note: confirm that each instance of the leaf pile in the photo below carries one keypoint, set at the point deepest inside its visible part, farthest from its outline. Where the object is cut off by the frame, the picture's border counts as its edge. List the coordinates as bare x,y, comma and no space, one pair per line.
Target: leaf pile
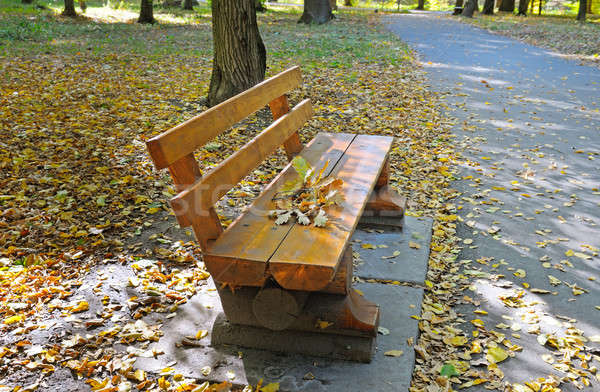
307,195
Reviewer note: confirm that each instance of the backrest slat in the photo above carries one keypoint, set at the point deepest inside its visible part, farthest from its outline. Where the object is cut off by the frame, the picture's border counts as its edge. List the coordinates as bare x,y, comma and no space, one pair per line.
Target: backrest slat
183,139
199,198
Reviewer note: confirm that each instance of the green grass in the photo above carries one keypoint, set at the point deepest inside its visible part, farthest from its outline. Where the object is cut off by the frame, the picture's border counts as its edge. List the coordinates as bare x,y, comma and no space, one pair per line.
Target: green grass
103,30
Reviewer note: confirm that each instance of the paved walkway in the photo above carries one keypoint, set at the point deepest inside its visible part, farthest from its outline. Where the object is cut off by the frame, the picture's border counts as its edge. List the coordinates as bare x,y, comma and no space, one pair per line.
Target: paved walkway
531,197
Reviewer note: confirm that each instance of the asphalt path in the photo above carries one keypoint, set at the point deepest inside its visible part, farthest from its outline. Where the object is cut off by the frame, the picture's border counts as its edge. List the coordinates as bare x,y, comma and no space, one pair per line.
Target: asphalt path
531,183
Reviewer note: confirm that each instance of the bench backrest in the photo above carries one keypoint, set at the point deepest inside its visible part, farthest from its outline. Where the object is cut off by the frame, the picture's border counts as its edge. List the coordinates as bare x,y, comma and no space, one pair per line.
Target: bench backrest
174,149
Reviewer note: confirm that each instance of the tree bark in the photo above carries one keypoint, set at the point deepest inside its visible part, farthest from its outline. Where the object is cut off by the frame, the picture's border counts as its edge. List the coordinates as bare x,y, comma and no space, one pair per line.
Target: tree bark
582,10
488,7
507,6
69,9
458,7
26,1
188,5
240,58
421,5
316,11
146,12
523,5
470,8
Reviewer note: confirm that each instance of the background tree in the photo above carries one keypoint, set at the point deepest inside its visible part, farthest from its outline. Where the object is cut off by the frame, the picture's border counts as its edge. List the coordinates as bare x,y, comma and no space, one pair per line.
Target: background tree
26,1
188,5
523,4
240,58
146,12
458,7
349,3
316,11
507,6
69,9
488,7
582,9
470,8
421,5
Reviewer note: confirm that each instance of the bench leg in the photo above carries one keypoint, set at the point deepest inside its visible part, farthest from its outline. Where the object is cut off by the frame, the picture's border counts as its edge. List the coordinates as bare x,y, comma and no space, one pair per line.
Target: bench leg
338,312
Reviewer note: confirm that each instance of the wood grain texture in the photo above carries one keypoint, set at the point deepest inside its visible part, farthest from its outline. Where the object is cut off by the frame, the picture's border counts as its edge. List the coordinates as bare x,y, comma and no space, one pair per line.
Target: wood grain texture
183,139
292,146
239,256
309,257
206,192
385,201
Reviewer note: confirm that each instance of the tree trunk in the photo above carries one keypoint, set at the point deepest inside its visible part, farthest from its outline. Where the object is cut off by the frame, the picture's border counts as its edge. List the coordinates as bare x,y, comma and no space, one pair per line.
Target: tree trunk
421,5
349,3
146,12
333,4
458,7
507,6
188,5
240,58
470,8
316,11
523,5
69,9
26,1
582,9
488,7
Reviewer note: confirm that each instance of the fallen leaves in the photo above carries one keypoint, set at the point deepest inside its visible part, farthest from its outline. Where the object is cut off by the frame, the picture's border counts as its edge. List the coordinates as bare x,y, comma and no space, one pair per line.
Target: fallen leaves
307,195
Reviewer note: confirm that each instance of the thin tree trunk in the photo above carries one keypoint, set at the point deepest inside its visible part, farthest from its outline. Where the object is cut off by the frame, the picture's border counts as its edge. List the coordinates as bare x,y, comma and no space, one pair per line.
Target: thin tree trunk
488,7
582,9
458,7
69,9
188,5
421,5
470,8
240,58
316,11
146,12
348,3
523,5
507,6
26,1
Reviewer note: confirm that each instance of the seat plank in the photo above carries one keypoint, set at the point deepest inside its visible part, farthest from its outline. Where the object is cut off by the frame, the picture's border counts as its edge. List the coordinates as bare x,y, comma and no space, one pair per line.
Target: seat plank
309,257
186,137
239,255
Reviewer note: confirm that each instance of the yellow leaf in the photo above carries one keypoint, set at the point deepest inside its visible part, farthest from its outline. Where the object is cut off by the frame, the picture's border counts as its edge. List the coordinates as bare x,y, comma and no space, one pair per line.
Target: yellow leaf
414,245
81,306
520,273
368,246
14,319
272,387
477,322
201,333
323,324
569,252
393,353
496,355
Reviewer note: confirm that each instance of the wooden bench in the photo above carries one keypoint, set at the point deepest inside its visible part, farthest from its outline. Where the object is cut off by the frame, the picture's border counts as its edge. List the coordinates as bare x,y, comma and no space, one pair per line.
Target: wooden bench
281,277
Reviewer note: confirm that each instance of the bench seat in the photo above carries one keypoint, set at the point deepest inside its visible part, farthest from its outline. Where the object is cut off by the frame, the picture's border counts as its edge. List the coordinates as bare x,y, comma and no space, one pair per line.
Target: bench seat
254,248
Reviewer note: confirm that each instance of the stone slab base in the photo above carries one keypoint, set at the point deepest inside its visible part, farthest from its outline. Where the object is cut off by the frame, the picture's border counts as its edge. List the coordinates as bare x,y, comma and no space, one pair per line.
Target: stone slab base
352,348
